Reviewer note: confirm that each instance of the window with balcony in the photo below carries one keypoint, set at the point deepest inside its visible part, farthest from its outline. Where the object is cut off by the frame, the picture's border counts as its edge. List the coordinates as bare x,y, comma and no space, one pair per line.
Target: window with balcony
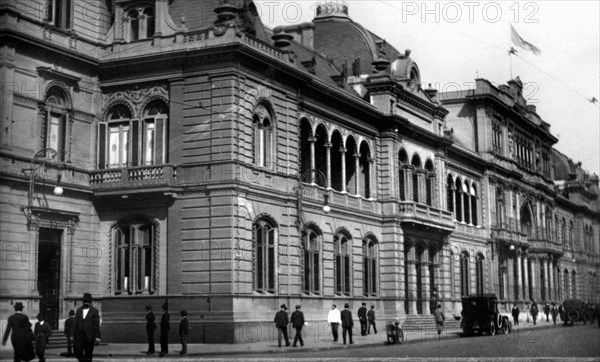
263,136
265,236
450,194
125,141
416,184
500,207
59,13
429,182
526,221
458,199
342,251
140,22
312,262
474,214
369,267
56,123
135,257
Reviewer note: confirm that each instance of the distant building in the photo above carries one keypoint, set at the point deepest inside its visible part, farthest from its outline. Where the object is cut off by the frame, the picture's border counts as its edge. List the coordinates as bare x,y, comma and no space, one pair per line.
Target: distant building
232,168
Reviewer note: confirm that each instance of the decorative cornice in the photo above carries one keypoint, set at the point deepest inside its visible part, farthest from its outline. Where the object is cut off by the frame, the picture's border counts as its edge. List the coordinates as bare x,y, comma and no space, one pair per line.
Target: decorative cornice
55,73
138,98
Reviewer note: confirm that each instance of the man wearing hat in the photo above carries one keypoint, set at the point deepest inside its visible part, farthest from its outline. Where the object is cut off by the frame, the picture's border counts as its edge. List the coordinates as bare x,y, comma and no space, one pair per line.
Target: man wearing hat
42,333
164,329
371,320
281,322
21,337
362,317
347,323
298,322
183,331
150,327
87,329
69,331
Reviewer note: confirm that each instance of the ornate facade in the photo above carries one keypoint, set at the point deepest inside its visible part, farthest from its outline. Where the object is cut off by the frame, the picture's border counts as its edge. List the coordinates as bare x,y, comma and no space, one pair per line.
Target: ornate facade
231,168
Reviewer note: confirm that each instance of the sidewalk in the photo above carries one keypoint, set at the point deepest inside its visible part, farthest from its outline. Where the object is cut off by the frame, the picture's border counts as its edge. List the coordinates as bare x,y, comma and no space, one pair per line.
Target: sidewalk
130,350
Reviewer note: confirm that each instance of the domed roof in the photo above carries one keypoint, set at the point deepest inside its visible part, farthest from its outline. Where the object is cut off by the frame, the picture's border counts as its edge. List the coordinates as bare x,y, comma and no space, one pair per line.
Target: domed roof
563,166
204,16
344,41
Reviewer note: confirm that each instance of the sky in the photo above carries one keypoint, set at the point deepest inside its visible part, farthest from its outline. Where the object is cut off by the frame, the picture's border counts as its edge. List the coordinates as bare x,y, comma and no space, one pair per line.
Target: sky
454,42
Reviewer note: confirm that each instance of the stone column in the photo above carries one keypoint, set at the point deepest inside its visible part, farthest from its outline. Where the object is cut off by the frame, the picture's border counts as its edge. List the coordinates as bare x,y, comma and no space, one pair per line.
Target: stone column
519,286
534,291
311,142
526,295
550,277
412,281
328,160
453,188
425,287
357,173
343,156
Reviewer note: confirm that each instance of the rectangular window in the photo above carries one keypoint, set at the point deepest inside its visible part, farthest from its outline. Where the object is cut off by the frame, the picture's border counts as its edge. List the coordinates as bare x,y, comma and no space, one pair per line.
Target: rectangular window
59,13
56,134
149,144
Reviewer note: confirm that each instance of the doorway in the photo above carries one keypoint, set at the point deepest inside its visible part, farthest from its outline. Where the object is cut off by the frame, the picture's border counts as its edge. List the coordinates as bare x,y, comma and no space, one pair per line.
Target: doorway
48,271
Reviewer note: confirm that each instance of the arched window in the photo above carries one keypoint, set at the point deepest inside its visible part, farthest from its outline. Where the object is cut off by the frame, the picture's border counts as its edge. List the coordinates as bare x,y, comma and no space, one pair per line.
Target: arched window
56,107
312,262
265,257
351,156
135,250
466,202
402,173
365,170
115,138
154,136
452,262
416,163
563,232
306,142
263,137
450,193
59,13
150,25
369,267
500,207
571,241
574,284
337,152
342,251
474,213
322,147
526,221
458,191
464,273
429,183
134,25
479,276
548,234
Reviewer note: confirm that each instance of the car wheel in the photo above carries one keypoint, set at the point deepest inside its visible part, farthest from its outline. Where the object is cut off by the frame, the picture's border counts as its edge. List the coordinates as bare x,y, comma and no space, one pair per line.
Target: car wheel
492,329
504,327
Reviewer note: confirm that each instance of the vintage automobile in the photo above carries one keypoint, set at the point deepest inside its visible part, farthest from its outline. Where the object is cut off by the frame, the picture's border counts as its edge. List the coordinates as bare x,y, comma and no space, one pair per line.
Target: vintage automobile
480,313
574,311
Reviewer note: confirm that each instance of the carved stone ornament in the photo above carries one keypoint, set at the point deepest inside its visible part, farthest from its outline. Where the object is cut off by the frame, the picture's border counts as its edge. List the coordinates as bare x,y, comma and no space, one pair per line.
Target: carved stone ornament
137,97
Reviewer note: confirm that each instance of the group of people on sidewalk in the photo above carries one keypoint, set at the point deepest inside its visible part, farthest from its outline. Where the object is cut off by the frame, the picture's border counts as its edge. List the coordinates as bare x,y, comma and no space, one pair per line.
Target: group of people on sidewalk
590,313
82,329
165,327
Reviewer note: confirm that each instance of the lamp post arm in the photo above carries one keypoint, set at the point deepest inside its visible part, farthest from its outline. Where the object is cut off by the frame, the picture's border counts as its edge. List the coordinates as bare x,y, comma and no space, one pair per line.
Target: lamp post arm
41,152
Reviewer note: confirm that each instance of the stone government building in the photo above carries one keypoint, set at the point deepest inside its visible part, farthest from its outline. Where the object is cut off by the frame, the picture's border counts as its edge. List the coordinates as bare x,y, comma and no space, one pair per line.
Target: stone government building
197,149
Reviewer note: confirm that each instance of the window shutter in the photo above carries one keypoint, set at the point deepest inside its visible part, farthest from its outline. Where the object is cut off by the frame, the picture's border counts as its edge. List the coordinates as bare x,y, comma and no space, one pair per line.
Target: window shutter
159,142
307,270
271,262
316,271
102,140
374,276
118,264
338,273
135,142
347,273
366,276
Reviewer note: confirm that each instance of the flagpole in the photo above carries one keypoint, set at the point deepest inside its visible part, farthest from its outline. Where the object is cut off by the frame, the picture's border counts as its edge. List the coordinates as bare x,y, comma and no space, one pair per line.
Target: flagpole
510,62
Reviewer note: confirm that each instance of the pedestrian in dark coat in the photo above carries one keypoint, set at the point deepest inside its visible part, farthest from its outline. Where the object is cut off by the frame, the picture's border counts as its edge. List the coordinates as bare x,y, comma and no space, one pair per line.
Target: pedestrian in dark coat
371,320
561,312
150,327
515,314
281,321
87,329
70,331
297,321
362,317
554,312
547,311
165,326
347,323
42,332
534,312
21,336
439,319
183,331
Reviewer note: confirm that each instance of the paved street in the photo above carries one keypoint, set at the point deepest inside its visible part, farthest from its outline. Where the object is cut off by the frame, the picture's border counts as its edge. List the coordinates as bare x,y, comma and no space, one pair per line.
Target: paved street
559,341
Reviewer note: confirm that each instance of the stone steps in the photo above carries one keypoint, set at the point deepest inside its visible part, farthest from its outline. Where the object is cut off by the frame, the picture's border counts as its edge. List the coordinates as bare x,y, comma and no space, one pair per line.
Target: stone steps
427,323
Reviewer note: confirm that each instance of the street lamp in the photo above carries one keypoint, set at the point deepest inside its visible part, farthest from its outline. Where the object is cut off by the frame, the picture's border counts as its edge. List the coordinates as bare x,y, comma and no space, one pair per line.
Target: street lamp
311,175
58,190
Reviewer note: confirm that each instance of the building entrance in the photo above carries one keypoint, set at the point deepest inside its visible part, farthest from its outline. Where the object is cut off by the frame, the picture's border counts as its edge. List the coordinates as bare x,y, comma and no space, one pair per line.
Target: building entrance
48,272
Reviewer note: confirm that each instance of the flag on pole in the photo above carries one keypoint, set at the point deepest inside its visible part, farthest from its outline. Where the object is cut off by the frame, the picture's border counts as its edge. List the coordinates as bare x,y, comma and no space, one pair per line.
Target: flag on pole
521,43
